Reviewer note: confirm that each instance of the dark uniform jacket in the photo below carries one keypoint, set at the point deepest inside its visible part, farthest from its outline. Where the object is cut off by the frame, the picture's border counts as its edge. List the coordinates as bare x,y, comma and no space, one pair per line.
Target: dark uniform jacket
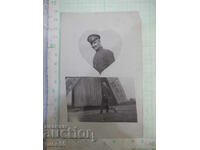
102,59
105,94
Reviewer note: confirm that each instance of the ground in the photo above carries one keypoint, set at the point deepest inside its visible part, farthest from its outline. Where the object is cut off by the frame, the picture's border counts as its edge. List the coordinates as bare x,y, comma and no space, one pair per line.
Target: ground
125,113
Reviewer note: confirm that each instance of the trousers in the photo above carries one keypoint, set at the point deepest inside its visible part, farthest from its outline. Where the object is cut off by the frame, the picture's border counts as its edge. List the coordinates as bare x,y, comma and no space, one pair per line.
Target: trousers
104,105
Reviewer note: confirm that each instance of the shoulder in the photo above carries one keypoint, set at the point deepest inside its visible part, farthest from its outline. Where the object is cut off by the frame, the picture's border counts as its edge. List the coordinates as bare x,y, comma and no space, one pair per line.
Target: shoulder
107,51
109,54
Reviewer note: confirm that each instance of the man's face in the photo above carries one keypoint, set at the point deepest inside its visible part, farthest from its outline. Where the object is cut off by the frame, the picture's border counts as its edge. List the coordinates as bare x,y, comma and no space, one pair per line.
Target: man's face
96,44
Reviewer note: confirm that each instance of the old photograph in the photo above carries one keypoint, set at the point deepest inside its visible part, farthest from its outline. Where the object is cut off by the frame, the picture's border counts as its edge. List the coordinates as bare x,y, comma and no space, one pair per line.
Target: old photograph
101,73
103,57
100,49
93,99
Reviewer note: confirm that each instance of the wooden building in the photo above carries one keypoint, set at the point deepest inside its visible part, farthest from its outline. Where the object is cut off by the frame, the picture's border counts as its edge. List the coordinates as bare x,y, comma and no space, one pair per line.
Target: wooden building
87,91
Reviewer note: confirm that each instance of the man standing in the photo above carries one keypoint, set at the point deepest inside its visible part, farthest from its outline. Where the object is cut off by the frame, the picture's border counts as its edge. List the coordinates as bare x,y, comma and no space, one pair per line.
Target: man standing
105,97
103,57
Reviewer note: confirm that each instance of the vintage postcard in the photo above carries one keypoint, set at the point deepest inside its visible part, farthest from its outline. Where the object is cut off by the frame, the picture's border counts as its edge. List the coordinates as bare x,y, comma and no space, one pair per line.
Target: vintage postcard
101,56
99,76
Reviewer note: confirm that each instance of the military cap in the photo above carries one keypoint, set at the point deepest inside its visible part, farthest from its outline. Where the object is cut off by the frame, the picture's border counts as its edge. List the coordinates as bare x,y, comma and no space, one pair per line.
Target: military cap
91,38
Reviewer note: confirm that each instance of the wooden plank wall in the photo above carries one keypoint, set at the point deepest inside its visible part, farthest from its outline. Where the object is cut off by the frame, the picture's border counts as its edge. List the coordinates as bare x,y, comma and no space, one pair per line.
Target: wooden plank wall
87,92
70,82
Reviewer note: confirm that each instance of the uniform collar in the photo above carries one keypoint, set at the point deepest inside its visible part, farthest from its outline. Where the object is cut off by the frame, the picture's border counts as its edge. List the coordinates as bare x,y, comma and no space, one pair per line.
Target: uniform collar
99,49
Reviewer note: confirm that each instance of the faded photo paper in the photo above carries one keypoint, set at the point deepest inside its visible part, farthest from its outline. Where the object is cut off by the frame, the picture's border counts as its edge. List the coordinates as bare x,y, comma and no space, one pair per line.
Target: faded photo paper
94,99
101,73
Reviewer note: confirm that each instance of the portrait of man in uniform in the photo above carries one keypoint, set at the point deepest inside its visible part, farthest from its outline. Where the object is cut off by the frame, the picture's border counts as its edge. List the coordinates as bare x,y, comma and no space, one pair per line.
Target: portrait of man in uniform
103,57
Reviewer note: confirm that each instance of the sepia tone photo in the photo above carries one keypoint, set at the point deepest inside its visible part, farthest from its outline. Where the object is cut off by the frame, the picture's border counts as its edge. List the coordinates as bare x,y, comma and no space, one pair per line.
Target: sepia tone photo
101,73
92,99
103,57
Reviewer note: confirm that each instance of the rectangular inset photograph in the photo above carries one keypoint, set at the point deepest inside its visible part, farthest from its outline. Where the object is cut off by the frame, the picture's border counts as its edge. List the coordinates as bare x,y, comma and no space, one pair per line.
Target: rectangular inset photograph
101,99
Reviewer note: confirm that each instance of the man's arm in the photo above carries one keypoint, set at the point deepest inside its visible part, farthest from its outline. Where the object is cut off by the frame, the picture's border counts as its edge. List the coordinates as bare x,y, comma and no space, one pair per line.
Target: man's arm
110,58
